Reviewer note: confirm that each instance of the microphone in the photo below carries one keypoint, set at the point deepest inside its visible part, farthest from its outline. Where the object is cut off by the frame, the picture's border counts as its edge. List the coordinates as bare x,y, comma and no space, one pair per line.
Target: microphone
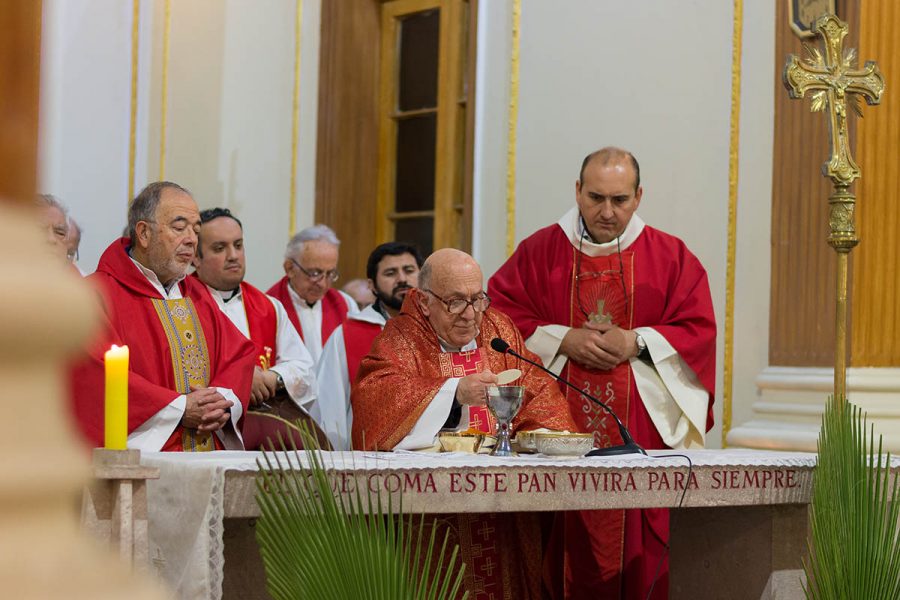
629,446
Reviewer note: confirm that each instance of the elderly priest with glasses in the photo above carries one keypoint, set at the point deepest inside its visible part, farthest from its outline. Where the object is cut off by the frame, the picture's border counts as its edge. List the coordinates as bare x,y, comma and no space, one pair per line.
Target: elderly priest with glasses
313,306
428,371
623,310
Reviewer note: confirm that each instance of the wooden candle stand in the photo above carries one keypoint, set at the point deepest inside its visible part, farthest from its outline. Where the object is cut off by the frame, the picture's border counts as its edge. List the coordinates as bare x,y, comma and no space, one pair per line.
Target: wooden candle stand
114,507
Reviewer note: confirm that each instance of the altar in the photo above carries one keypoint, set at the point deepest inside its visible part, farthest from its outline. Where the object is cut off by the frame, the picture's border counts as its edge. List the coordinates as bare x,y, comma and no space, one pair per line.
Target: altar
740,531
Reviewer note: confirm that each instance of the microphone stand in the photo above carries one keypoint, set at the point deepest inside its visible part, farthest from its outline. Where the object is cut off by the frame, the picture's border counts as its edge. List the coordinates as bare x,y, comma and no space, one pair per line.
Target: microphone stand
628,447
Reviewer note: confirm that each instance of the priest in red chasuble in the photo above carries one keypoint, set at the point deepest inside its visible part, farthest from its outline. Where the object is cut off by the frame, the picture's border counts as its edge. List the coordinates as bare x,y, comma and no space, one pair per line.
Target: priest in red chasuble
428,371
190,370
624,311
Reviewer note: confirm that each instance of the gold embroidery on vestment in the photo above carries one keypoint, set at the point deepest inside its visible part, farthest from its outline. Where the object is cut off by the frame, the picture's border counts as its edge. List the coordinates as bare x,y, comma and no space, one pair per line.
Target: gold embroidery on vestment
190,359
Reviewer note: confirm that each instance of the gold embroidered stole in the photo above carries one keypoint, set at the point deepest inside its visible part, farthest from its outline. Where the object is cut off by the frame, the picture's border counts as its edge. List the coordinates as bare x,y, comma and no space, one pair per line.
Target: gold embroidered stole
190,359
604,293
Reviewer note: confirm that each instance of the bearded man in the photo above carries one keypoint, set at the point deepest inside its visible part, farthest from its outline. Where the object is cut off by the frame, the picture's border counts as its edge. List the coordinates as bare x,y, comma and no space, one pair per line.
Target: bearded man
392,270
189,370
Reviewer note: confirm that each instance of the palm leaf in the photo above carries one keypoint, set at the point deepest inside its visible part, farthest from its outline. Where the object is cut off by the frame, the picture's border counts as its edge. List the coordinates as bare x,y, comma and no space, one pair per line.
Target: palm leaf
315,544
854,548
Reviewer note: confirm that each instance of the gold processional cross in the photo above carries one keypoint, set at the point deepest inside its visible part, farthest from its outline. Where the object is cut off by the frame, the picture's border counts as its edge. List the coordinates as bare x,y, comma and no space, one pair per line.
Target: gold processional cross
835,84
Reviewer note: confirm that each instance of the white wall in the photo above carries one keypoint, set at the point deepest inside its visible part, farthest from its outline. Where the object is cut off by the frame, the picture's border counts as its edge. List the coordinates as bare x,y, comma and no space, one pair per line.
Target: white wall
230,89
654,77
84,126
491,133
754,215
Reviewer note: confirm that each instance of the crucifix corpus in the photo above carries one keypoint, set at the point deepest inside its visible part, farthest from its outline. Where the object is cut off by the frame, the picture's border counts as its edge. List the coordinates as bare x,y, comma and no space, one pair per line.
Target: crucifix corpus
835,84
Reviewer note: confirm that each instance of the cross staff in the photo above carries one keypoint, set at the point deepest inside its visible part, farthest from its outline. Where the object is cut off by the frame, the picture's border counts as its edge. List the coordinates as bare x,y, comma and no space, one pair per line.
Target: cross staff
835,82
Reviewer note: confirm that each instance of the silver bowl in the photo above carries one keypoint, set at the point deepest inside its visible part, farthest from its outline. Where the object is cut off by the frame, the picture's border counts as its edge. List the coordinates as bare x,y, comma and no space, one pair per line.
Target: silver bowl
563,444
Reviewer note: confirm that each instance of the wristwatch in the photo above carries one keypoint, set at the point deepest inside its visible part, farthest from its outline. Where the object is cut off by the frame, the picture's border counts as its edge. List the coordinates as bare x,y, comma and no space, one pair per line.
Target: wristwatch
279,383
641,346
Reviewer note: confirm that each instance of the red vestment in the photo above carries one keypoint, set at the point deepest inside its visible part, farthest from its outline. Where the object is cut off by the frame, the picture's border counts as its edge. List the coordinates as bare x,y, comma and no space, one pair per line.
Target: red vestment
261,429
222,358
334,308
262,320
657,284
406,367
358,338
397,380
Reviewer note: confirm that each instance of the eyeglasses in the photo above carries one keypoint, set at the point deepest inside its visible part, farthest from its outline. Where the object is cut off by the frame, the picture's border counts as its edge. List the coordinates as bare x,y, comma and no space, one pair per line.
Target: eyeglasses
457,306
317,274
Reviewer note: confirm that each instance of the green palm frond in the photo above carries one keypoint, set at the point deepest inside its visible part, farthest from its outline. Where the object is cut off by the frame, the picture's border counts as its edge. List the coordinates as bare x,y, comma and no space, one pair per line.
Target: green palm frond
316,544
854,544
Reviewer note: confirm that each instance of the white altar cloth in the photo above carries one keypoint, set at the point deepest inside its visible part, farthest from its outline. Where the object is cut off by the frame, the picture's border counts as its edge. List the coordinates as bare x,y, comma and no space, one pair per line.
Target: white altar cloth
187,504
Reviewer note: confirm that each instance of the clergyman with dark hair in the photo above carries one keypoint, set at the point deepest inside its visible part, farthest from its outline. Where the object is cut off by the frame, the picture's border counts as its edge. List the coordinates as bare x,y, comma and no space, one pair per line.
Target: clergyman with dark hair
190,371
284,365
623,309
392,270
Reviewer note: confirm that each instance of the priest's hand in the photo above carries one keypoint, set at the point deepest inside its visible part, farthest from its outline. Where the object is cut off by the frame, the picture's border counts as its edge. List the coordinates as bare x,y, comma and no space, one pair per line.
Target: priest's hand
585,346
265,384
619,343
206,410
472,389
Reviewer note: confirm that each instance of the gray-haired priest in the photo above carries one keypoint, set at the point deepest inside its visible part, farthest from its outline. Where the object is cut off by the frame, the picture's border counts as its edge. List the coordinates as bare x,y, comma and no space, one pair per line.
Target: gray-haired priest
189,370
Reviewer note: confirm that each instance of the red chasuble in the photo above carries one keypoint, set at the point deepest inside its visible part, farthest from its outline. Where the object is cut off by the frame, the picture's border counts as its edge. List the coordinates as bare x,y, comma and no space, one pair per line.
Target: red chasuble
657,284
262,321
173,344
406,367
397,380
334,308
358,338
460,364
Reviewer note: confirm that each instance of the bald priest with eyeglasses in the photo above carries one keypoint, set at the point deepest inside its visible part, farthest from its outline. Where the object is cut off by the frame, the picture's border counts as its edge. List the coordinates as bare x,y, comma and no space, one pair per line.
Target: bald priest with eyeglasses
427,371
623,311
313,306
429,367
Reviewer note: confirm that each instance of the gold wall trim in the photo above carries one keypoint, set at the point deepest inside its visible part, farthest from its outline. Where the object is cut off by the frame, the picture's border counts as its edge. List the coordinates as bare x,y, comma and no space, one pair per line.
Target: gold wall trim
733,155
164,111
511,130
295,124
132,134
